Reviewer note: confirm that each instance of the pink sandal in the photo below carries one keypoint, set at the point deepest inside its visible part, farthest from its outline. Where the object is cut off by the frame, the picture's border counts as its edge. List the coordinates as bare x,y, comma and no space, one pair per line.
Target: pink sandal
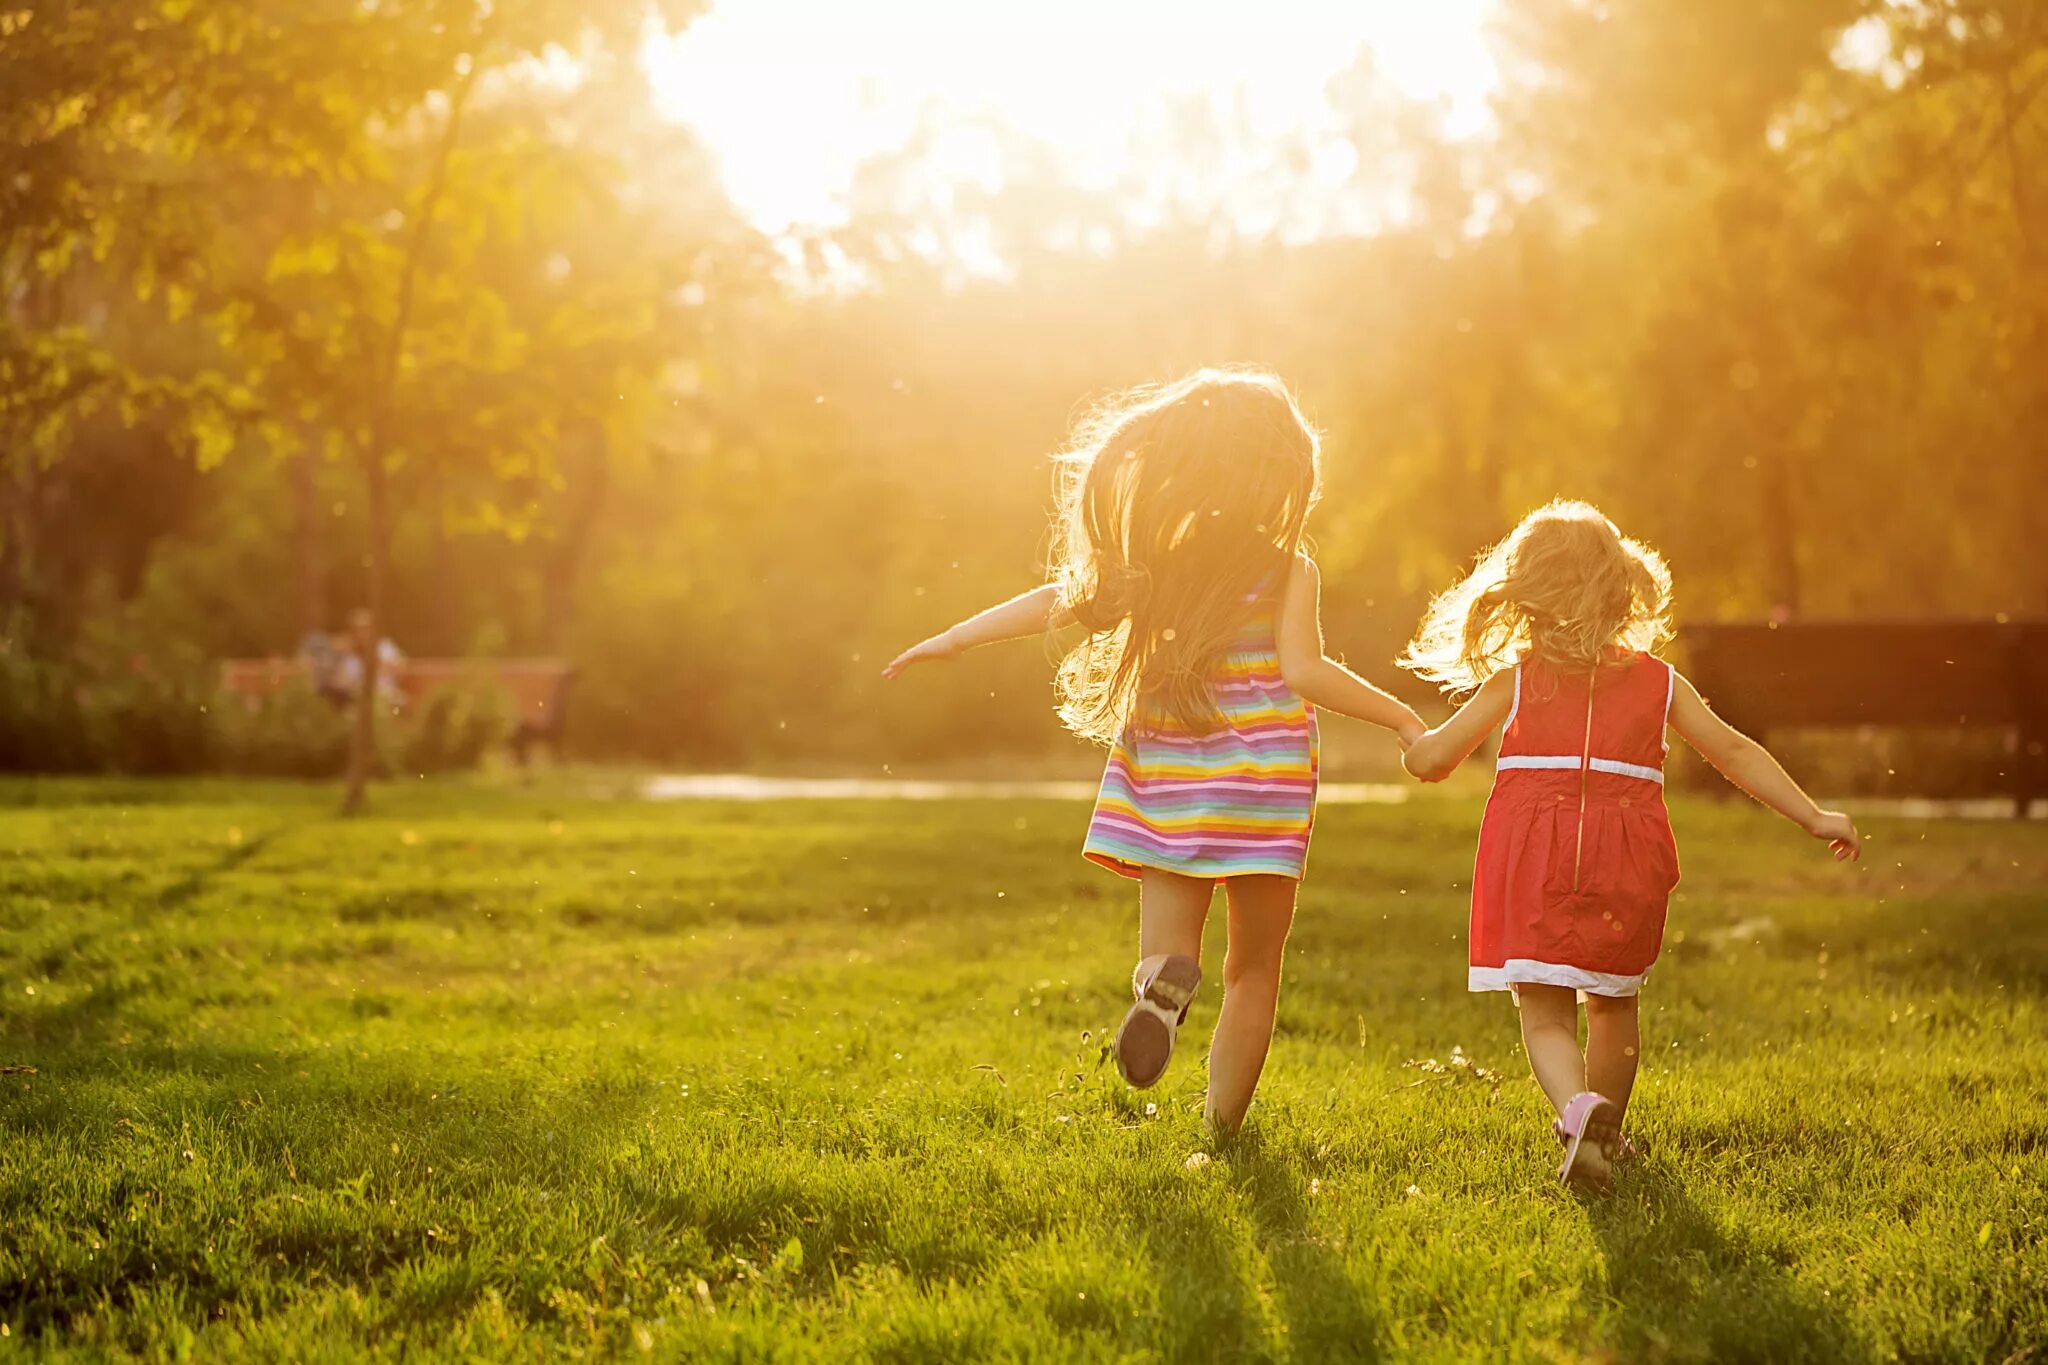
1590,1129
1622,1154
1164,985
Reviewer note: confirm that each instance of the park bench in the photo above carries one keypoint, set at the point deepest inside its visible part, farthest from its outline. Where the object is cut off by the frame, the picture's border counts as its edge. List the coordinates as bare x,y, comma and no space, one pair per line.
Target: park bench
538,688
1932,674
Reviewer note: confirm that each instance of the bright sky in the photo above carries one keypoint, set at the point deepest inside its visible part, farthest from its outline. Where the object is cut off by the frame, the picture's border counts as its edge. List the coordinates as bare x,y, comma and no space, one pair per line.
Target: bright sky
792,95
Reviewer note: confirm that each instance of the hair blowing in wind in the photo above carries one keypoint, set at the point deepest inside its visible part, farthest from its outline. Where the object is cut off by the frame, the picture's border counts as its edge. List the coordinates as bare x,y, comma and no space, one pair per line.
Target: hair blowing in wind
1178,506
1563,587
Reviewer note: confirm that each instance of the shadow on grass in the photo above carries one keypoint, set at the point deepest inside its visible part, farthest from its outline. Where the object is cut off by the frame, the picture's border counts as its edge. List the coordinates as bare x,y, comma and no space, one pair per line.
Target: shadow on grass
194,883
1688,1290
1328,1315
1205,1313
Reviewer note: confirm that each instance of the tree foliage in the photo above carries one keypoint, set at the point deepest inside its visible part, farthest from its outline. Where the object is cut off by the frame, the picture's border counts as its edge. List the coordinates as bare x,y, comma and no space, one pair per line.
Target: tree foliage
419,303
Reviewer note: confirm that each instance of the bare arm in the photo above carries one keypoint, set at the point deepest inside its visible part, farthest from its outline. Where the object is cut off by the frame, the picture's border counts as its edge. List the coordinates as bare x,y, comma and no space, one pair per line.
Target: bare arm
1437,754
1320,679
1751,767
1030,613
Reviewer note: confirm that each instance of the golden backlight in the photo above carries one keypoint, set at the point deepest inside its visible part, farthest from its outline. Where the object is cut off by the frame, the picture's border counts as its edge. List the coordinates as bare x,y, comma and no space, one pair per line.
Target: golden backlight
793,95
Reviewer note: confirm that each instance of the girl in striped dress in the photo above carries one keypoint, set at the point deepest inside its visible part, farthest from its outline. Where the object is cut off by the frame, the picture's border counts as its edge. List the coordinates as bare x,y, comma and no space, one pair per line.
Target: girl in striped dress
1552,632
1200,665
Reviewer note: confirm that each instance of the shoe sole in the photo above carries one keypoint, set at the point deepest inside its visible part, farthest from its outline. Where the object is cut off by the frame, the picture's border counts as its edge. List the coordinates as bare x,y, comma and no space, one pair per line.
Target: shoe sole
1144,1042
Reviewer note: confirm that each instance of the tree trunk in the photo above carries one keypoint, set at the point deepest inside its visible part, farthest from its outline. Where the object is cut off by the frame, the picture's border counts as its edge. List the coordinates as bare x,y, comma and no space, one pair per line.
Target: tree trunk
565,563
14,555
444,623
375,447
21,496
21,572
362,752
2014,104
1781,534
306,554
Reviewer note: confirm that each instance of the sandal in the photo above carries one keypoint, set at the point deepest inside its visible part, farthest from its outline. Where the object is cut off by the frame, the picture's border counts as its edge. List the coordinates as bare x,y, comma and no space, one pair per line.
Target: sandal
1164,985
1590,1129
1621,1154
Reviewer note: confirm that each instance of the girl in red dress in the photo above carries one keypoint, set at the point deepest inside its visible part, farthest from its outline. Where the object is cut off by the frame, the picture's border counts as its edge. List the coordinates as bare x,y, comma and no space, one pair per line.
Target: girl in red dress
1553,634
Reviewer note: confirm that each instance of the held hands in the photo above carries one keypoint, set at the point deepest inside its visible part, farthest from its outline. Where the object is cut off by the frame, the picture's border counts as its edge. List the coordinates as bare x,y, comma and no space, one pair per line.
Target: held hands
1840,832
937,649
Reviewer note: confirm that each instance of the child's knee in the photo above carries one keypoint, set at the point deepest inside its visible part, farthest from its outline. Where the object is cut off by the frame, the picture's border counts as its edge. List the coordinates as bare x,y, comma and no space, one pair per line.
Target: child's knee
1246,967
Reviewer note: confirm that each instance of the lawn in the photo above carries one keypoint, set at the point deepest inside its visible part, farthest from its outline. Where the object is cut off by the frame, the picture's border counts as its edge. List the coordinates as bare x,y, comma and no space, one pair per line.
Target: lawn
524,1073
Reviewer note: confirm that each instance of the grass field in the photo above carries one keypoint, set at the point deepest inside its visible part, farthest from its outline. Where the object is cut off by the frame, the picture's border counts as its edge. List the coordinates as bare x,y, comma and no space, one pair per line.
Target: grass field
519,1074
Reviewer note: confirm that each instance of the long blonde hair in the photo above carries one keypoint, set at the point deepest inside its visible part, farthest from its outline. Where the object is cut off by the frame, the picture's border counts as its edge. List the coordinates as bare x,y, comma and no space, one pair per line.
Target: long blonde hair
1564,587
1178,505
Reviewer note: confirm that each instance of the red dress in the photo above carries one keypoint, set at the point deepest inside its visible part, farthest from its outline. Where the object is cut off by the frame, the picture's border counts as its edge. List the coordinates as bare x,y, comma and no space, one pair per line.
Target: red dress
1576,859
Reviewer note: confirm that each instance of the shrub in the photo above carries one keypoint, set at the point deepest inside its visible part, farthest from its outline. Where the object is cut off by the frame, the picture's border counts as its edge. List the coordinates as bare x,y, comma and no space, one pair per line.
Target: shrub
42,724
455,728
293,732
150,726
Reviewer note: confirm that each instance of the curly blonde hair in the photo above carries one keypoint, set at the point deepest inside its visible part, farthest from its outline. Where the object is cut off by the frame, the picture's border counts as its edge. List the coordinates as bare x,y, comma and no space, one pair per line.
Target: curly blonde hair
1178,507
1562,589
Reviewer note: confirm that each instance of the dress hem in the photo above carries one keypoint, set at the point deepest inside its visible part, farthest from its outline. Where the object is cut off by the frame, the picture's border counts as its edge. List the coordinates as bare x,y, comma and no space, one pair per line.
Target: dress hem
1517,971
1131,868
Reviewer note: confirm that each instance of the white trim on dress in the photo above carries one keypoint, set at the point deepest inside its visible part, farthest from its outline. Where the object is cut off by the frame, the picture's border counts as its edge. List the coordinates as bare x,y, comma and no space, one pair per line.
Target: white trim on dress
1528,971
1571,763
1514,710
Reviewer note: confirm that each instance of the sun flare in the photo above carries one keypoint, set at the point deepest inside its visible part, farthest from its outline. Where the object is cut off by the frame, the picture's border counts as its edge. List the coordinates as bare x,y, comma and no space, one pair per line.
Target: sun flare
793,95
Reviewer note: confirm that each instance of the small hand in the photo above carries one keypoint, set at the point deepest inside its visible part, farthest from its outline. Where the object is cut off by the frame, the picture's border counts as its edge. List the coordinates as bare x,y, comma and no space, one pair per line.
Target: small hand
938,648
1840,832
1410,732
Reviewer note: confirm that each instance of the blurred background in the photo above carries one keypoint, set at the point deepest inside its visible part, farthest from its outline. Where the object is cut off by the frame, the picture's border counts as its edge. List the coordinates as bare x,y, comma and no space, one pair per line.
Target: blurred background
715,354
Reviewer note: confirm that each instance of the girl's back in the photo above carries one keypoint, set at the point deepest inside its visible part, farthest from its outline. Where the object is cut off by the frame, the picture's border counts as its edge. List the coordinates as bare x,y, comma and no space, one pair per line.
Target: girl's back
1232,796
1576,860
1623,708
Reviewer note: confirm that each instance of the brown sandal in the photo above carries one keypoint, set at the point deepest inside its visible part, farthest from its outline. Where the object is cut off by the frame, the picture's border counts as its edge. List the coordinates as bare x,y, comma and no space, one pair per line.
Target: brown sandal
1164,985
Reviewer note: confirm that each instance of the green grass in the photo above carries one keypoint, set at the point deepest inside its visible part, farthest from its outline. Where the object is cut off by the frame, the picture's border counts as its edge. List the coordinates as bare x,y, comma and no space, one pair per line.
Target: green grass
520,1074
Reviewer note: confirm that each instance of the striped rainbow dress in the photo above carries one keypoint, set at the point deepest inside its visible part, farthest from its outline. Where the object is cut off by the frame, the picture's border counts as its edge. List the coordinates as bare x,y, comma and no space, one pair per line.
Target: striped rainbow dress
1240,799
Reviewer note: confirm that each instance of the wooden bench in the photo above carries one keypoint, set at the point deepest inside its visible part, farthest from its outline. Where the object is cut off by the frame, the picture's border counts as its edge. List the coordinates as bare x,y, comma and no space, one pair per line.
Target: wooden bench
538,688
1930,674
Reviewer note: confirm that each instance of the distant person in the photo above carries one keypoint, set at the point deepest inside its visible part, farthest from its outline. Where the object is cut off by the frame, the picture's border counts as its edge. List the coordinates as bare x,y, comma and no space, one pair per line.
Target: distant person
1202,663
348,664
1555,630
322,662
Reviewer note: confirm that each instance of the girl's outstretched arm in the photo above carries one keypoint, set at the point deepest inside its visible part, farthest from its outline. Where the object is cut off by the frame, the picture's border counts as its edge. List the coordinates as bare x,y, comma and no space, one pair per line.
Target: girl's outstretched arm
1750,766
1437,754
1031,613
1320,679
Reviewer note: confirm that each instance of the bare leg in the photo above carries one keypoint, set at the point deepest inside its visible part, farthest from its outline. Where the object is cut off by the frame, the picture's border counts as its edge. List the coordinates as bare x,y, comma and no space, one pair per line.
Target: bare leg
1612,1043
1550,1035
1261,912
1171,912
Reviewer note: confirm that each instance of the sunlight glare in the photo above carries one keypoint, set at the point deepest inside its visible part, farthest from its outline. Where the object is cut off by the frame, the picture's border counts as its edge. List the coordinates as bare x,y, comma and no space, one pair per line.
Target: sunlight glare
793,95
